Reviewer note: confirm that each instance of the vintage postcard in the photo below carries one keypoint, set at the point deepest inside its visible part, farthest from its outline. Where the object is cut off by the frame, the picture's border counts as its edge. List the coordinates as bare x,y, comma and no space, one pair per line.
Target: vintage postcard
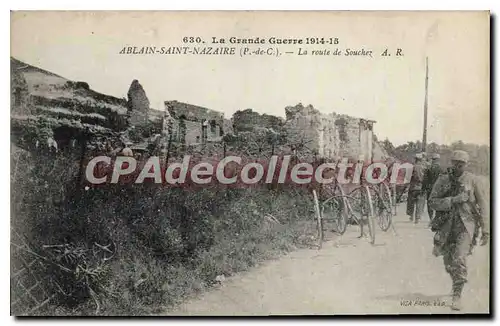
250,163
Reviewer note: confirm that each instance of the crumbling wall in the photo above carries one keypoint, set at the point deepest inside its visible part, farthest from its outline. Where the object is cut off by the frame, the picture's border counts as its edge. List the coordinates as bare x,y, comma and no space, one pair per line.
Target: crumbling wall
192,112
137,104
193,132
227,127
303,127
352,143
248,120
192,124
318,132
329,135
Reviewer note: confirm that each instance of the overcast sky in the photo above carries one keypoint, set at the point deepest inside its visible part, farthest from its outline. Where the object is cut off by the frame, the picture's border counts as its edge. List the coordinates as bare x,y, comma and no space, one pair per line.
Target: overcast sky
85,47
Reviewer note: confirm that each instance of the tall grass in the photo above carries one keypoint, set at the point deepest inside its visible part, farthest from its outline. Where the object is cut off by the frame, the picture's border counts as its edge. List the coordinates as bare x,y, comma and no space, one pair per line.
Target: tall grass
168,243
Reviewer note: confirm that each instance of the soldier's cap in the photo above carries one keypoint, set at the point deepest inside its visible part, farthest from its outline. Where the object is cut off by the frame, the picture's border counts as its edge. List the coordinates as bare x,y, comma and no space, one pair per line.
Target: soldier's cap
461,156
361,157
418,156
435,156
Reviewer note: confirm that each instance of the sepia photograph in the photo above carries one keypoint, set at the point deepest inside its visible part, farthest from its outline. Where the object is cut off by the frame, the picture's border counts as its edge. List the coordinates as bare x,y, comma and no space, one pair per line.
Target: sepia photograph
250,163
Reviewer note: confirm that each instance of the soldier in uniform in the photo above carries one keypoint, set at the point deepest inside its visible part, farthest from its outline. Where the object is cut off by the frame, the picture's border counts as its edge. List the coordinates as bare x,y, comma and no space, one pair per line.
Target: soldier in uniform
416,197
461,210
430,177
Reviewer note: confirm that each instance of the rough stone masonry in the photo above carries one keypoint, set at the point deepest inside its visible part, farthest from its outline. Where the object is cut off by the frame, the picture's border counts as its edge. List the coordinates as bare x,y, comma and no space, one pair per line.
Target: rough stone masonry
332,134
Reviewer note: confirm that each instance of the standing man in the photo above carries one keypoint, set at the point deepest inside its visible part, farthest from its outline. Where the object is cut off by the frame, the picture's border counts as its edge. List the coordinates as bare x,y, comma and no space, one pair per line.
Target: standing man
430,177
461,210
416,197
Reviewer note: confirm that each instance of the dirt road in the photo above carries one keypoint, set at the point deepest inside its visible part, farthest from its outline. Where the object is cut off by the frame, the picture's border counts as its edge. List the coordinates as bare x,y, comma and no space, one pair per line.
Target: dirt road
349,276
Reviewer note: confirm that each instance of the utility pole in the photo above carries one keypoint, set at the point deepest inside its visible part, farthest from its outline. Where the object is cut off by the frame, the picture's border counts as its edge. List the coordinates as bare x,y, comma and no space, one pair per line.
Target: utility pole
424,138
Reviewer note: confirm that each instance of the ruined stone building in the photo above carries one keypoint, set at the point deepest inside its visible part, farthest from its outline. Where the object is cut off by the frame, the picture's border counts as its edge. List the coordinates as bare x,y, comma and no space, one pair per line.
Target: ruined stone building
192,124
333,134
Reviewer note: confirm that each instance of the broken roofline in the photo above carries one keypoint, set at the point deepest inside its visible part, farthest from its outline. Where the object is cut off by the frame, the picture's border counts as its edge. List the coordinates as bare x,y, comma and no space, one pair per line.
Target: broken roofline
192,112
343,115
323,113
204,113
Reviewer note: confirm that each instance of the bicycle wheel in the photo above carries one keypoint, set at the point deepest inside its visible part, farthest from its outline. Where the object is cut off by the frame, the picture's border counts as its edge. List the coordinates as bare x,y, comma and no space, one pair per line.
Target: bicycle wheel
357,205
344,206
362,210
319,221
384,207
370,216
335,209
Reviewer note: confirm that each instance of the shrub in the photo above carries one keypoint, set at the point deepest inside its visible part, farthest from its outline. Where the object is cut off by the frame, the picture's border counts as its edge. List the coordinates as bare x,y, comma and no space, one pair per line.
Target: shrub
166,242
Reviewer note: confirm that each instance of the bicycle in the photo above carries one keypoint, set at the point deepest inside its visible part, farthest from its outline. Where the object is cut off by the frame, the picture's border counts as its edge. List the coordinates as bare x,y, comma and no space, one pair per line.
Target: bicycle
383,199
339,208
362,205
336,208
363,211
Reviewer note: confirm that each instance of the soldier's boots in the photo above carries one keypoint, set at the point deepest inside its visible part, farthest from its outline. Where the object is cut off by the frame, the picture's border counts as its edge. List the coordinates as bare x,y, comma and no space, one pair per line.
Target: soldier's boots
456,301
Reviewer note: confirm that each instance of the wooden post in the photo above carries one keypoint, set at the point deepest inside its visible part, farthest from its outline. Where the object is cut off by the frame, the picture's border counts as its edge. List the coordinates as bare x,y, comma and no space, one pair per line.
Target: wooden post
424,138
168,150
